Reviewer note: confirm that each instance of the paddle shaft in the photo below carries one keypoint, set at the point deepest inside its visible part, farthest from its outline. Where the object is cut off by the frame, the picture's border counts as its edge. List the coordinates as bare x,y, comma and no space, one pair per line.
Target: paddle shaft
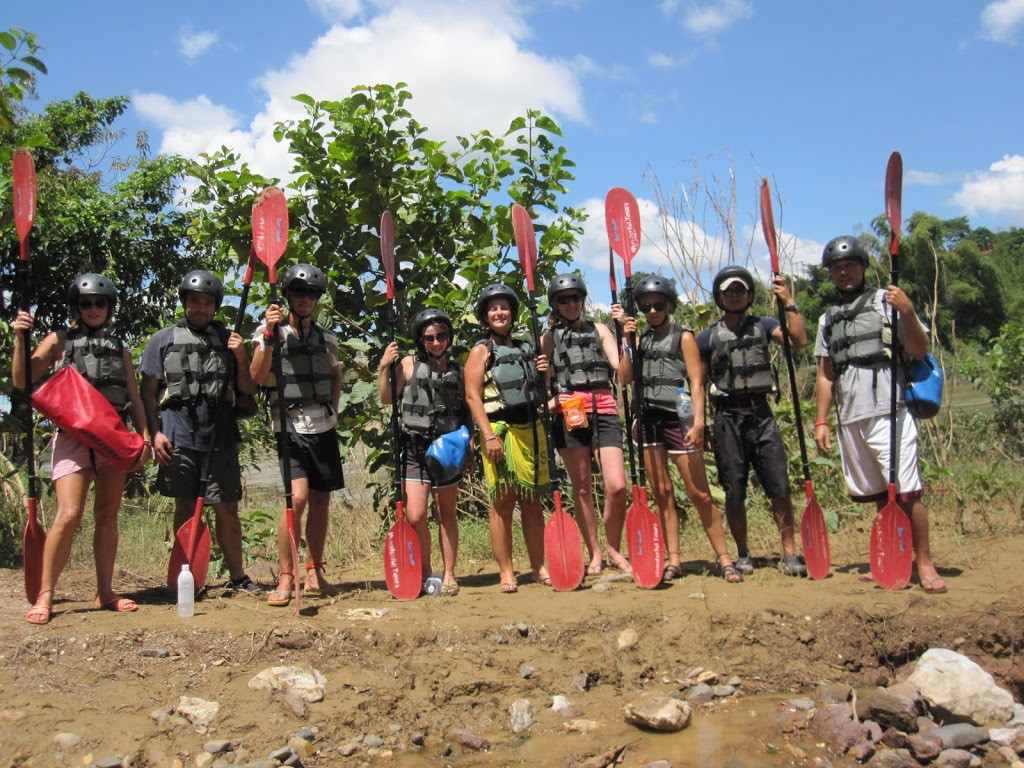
396,442
638,391
618,343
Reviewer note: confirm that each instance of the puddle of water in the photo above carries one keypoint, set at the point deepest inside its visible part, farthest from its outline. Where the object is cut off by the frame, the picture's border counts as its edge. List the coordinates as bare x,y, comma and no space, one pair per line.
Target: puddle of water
736,735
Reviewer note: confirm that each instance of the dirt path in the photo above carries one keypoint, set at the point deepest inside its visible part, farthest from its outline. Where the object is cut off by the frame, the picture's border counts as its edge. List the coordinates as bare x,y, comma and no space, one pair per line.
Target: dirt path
394,669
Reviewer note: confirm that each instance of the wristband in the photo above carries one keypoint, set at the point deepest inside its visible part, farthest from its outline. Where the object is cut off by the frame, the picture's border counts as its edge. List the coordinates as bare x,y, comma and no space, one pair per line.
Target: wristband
821,423
491,437
791,308
268,335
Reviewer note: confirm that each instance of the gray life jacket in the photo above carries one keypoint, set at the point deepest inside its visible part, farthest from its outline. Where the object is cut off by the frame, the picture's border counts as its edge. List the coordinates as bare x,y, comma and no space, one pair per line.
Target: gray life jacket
510,380
197,367
740,362
305,368
433,402
101,361
663,370
578,359
856,333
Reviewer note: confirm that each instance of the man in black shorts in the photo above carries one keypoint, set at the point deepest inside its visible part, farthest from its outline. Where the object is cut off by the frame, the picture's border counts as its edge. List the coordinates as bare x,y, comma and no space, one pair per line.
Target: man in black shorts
190,372
310,389
736,356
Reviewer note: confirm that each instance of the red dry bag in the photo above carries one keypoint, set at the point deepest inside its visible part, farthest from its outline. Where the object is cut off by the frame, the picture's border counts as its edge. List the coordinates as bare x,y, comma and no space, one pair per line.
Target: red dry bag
74,405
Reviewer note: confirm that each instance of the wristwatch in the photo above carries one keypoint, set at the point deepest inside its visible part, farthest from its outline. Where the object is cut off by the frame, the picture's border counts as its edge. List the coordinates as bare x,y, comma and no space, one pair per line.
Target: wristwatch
792,308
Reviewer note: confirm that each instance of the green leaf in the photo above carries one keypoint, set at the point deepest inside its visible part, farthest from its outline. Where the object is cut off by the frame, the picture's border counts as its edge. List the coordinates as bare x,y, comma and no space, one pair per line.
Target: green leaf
304,98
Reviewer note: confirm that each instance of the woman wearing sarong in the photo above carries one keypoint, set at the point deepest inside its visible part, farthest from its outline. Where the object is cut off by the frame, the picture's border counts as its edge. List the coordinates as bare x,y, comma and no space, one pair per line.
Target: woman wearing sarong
503,391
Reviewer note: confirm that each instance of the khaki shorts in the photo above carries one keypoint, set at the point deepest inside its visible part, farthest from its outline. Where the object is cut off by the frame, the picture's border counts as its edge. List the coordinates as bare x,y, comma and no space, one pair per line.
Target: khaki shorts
864,446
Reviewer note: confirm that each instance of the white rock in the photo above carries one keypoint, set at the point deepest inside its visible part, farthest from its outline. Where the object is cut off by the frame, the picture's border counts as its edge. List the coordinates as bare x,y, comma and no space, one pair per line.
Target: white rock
628,638
306,683
658,712
197,711
559,702
67,740
1002,737
520,715
956,687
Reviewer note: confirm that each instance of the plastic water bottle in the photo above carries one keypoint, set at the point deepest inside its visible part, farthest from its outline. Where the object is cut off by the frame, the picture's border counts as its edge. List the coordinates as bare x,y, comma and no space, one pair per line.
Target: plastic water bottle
684,407
432,586
186,593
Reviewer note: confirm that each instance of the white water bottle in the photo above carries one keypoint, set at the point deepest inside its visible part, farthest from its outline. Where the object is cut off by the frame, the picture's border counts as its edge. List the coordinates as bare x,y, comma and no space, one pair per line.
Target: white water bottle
684,408
186,592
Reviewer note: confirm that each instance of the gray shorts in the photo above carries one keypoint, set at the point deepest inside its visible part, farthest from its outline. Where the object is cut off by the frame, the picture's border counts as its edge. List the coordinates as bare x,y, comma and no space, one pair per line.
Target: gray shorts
181,478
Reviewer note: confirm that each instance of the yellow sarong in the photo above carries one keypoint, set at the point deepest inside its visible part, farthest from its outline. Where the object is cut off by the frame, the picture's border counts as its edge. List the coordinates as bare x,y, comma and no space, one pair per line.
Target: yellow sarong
519,469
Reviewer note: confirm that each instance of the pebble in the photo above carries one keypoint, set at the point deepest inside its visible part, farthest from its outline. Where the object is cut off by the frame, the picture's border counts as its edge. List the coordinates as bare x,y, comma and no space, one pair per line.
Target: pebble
801,705
155,653
67,740
602,586
216,747
418,739
526,671
628,638
281,754
372,740
520,715
708,677
523,629
204,760
734,681
300,746
722,691
108,762
347,750
262,764
306,733
499,639
581,682
699,694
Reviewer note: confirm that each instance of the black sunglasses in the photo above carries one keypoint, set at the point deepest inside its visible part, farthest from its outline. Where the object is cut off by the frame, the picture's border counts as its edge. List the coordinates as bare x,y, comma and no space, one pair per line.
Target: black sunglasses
97,303
430,338
573,298
656,306
304,293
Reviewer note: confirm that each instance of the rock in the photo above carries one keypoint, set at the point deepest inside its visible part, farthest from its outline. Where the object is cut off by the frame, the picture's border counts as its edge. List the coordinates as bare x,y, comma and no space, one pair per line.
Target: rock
708,677
520,715
1008,754
957,735
1002,737
892,758
161,716
109,762
692,674
657,764
628,638
821,762
832,693
197,711
523,629
468,739
204,760
526,671
893,707
801,705
657,712
216,747
958,689
602,586
872,731
300,746
281,754
498,638
372,740
699,694
290,639
734,681
722,691
306,733
309,684
862,752
953,758
564,708
1018,715
835,725
418,739
894,739
155,653
70,740
583,681
262,764
805,637
347,750
923,746
295,701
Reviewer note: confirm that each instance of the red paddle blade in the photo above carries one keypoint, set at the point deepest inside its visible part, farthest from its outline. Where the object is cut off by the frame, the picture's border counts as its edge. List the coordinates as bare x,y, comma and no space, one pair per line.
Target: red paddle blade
768,224
387,250
24,173
894,198
563,549
892,552
33,541
199,563
645,541
270,227
814,537
526,242
402,570
622,220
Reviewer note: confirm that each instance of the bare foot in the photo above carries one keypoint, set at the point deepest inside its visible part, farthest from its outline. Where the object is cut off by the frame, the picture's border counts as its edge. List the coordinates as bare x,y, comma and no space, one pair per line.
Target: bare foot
616,560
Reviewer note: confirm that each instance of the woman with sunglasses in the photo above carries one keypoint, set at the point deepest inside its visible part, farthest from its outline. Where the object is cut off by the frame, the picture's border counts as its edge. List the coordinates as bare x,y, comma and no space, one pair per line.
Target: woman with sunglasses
433,404
504,392
583,356
104,361
670,360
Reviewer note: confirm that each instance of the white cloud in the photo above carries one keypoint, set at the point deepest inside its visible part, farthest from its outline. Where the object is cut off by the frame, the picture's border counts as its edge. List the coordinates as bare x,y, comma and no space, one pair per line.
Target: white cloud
336,10
192,43
1001,19
717,16
929,178
997,191
660,60
464,62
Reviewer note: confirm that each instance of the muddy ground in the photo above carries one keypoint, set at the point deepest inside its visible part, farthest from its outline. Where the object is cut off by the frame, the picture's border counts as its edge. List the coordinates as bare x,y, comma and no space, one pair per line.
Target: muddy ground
397,668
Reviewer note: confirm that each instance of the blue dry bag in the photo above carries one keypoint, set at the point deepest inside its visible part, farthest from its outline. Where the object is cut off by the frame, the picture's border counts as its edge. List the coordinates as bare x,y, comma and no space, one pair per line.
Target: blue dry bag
924,387
446,454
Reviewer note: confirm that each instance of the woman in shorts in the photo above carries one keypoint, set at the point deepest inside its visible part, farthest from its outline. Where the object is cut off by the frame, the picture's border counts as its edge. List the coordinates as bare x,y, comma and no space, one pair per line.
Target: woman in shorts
671,360
433,403
584,358
105,362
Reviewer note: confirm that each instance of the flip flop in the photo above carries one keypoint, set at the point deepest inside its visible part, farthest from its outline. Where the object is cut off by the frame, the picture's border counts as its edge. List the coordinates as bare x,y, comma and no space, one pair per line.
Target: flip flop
280,597
120,605
39,614
672,571
508,588
936,586
449,590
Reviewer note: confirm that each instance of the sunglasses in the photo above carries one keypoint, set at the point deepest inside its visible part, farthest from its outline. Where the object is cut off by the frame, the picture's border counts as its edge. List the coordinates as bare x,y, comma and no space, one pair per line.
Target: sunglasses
574,298
87,304
655,306
430,338
304,293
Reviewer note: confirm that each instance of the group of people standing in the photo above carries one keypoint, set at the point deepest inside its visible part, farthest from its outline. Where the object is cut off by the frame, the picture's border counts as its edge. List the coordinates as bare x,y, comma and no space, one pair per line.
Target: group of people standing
196,373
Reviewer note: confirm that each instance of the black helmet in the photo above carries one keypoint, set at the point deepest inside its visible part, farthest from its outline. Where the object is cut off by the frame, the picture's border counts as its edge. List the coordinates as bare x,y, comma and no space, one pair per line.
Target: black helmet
201,281
426,317
729,275
844,247
495,291
567,282
658,284
91,284
311,276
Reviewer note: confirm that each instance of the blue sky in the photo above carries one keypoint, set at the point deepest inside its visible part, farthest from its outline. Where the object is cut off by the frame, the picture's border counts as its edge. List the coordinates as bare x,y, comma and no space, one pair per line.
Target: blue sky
663,95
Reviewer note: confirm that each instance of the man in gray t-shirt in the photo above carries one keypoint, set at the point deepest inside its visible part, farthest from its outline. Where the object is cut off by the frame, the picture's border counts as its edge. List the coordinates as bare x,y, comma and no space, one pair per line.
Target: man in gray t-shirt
854,372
